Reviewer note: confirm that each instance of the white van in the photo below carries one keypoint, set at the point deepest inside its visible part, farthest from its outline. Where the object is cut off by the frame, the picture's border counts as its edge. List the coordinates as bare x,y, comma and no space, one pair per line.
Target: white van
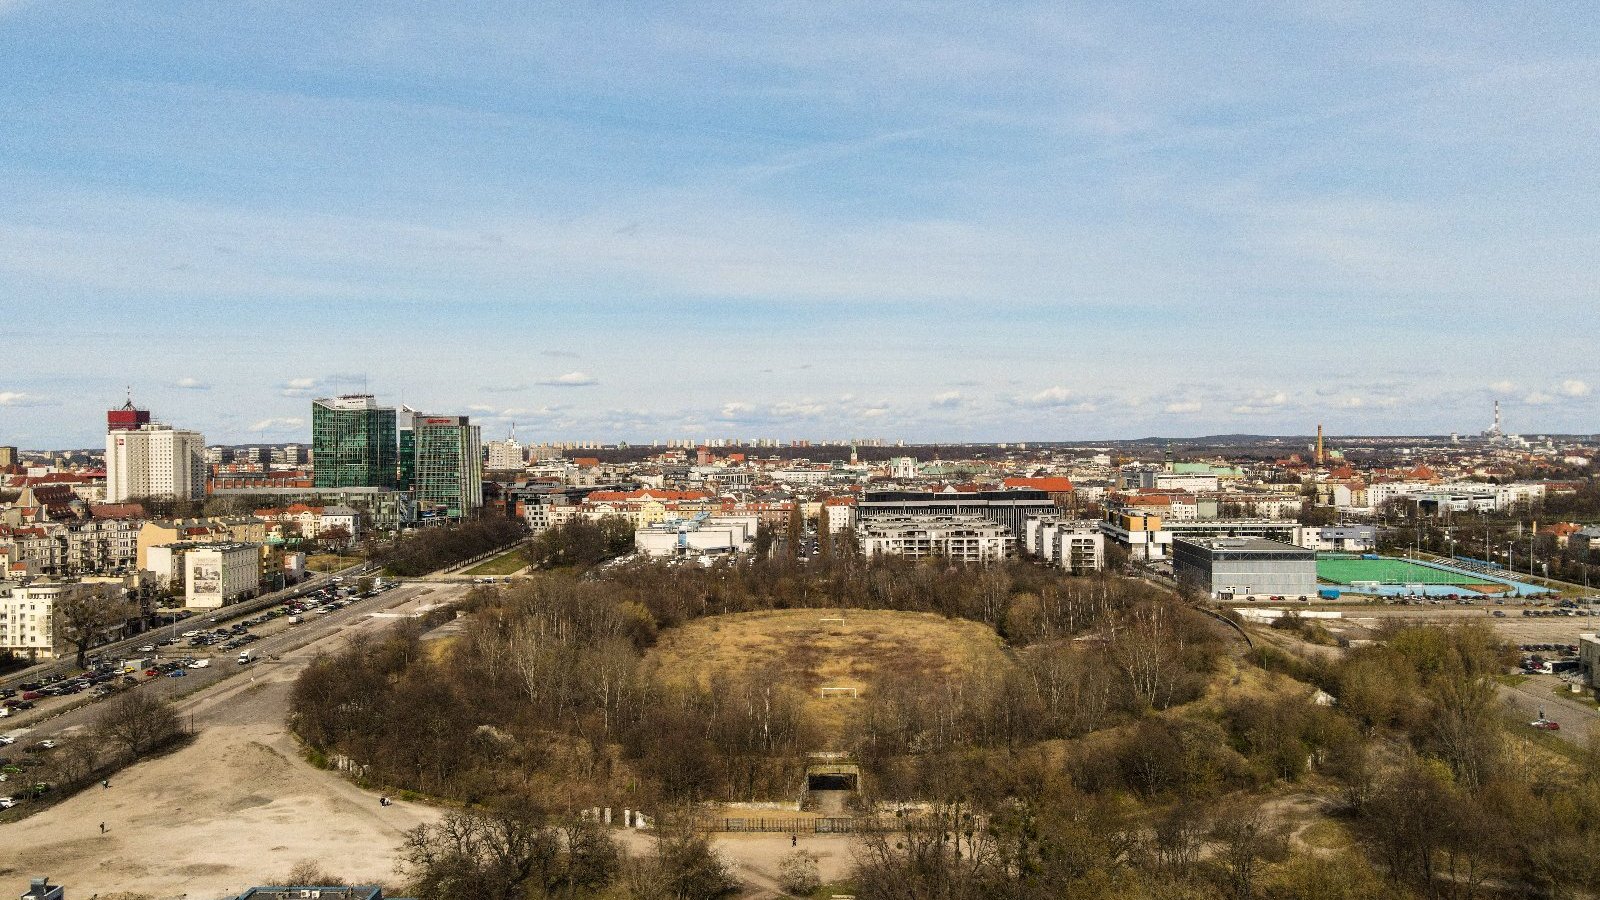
246,656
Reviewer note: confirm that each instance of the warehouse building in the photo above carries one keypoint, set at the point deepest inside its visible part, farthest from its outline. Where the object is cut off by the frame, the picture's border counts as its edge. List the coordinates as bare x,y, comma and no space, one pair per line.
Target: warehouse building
1240,568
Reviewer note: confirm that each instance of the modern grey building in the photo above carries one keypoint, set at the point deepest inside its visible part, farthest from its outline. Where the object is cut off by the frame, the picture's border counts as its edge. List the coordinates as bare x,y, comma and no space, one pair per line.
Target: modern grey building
1236,568
1009,508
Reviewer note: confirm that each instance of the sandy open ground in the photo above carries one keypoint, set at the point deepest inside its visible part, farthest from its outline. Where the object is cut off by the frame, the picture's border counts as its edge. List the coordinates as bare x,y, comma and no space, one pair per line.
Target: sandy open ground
239,805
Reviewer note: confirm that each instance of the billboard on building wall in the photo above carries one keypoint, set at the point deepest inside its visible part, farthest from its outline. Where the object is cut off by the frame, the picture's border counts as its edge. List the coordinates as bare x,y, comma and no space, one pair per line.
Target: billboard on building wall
207,579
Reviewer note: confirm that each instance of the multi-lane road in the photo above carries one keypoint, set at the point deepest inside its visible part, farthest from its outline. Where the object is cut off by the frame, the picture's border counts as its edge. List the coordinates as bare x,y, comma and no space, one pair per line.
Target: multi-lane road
267,651
67,665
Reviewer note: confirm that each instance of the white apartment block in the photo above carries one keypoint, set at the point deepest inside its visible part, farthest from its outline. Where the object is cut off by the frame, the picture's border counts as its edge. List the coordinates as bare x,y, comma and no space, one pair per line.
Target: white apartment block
155,461
839,516
218,574
1077,545
964,539
26,611
507,455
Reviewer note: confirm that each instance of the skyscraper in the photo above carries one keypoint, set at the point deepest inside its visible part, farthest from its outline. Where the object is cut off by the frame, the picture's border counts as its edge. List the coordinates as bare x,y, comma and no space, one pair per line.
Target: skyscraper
448,473
407,425
156,461
353,442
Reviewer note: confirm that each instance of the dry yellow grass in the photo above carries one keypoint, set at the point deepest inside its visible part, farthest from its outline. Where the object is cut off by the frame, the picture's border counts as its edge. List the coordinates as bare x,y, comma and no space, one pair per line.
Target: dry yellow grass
797,649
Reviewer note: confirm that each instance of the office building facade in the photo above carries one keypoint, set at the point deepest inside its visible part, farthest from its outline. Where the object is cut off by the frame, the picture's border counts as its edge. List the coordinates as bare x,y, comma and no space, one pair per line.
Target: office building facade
353,443
448,466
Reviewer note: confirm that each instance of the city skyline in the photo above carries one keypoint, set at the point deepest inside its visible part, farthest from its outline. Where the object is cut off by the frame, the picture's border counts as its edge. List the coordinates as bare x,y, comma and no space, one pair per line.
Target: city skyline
927,222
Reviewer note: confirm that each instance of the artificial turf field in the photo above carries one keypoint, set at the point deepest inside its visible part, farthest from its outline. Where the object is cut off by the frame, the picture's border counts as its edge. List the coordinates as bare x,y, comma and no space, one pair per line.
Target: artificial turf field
1387,571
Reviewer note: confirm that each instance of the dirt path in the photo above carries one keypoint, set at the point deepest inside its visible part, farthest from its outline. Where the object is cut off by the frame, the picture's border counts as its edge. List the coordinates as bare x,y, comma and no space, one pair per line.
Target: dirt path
232,809
239,806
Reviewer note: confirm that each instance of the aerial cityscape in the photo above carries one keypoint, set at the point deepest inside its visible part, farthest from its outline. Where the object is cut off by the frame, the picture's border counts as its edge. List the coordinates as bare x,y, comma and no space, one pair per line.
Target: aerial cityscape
799,451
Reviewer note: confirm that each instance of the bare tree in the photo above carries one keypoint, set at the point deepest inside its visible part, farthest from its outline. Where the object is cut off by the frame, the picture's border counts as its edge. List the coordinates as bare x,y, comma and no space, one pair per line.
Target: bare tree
86,614
137,723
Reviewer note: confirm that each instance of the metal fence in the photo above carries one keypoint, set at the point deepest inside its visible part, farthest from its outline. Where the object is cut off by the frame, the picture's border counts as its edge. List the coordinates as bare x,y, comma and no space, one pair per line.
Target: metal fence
821,825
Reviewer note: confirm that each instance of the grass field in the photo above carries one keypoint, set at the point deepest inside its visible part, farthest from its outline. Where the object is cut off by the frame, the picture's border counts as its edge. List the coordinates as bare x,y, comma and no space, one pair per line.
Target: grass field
796,649
1388,571
328,562
505,564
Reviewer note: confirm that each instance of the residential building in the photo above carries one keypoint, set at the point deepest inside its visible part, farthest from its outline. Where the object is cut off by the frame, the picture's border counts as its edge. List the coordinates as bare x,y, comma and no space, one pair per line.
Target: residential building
8,457
1077,545
1241,568
839,514
963,539
1009,508
26,618
506,456
448,470
1338,538
1142,535
341,517
220,573
353,443
155,460
240,529
382,509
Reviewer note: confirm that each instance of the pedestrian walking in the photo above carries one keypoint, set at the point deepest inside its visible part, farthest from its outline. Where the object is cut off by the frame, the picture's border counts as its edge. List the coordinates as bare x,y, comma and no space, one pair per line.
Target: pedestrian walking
102,828
794,840
105,783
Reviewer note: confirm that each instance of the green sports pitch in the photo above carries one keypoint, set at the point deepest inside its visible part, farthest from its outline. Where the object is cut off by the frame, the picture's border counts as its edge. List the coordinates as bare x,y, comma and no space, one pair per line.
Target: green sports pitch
1344,570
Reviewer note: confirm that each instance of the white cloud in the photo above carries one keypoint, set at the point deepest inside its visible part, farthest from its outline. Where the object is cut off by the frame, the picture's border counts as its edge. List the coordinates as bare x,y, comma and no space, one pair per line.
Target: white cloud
1503,388
17,398
288,424
1182,407
1261,402
947,400
1538,398
1572,387
571,379
1050,396
480,408
873,413
804,409
735,410
190,383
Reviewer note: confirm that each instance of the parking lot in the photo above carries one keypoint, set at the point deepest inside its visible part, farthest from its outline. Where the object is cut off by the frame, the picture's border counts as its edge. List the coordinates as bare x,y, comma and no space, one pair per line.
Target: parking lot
183,649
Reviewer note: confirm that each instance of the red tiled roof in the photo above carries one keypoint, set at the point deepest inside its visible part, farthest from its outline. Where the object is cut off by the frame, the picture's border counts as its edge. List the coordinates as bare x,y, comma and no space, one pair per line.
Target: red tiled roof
1051,485
116,511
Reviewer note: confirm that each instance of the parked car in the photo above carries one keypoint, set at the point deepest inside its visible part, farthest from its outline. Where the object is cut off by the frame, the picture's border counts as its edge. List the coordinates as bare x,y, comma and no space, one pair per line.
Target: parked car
1545,725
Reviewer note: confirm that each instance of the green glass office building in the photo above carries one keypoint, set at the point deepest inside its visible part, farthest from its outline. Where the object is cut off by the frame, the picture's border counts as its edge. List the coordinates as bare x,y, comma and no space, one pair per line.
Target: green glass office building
353,443
447,466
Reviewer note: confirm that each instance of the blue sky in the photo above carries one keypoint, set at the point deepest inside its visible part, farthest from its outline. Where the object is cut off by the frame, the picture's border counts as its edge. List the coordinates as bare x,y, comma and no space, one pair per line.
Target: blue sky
959,221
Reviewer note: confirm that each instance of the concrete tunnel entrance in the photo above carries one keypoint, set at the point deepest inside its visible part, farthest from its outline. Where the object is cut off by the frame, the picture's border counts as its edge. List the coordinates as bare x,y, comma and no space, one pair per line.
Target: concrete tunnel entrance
832,781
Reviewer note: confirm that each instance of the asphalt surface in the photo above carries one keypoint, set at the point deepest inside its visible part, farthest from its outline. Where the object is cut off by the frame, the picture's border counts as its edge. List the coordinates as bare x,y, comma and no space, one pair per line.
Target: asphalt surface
289,650
66,665
1538,693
